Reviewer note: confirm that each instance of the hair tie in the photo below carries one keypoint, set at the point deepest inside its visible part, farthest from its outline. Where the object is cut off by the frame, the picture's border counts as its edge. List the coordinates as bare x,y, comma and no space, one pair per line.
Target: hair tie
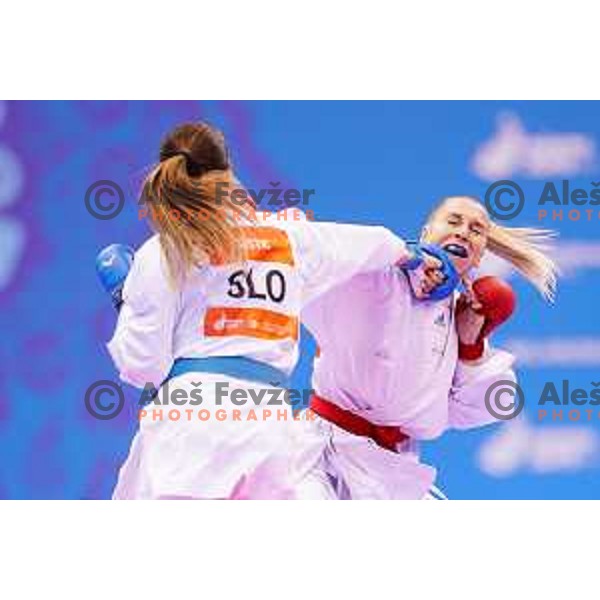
192,167
190,164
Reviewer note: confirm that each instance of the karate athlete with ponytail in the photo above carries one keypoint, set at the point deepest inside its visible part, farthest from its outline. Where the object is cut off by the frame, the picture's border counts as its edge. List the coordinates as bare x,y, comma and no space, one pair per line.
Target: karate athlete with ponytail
394,368
212,302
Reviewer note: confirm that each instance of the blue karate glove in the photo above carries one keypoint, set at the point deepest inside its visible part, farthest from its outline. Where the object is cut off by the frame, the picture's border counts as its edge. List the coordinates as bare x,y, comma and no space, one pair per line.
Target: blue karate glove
112,266
415,272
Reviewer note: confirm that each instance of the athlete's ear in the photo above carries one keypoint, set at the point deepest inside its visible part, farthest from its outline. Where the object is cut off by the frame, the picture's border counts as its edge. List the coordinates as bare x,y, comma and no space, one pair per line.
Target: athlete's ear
424,233
477,261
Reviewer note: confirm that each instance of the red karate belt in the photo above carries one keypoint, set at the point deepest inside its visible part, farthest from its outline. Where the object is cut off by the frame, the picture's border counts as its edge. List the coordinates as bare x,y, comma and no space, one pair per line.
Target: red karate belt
386,436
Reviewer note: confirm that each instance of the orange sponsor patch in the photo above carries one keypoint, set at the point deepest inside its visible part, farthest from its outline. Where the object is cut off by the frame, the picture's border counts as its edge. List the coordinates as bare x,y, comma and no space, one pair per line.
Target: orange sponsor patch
268,244
250,322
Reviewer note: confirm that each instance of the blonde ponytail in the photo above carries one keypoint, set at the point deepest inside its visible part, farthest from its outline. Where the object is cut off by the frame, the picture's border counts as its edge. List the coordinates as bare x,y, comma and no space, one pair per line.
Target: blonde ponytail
527,249
189,203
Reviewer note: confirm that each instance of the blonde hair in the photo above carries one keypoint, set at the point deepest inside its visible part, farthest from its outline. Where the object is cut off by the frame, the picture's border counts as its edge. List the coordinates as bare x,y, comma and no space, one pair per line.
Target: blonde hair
528,249
189,207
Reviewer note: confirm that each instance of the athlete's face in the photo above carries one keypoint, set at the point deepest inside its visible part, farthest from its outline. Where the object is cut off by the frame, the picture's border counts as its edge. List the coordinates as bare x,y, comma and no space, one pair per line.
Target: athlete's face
461,225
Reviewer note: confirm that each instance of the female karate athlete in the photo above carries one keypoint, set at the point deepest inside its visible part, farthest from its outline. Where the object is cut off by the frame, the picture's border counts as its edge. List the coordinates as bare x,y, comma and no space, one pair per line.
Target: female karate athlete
212,305
393,369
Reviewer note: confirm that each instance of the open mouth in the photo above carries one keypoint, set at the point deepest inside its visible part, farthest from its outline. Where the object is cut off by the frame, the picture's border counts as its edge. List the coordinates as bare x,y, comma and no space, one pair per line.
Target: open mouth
457,250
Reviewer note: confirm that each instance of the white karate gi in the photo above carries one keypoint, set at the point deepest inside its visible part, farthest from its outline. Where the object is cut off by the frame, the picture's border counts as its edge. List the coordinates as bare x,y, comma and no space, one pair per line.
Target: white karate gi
220,312
393,360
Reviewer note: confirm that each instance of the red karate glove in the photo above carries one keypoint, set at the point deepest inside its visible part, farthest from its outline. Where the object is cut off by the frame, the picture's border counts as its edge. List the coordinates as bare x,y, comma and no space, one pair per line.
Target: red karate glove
497,302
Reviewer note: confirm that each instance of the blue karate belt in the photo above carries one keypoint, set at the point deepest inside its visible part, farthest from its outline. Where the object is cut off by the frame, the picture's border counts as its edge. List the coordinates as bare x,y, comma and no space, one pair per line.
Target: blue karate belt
238,367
